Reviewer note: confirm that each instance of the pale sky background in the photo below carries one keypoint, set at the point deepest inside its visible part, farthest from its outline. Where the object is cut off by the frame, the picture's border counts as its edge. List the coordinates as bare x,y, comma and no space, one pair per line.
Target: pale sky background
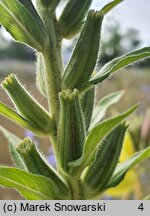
131,13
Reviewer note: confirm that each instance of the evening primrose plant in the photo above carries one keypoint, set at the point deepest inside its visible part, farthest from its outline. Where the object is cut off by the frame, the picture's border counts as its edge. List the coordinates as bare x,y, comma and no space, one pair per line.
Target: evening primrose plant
87,148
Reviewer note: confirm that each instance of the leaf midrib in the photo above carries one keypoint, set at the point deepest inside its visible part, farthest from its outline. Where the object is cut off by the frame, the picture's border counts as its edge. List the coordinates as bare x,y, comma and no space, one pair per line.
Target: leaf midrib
26,187
31,38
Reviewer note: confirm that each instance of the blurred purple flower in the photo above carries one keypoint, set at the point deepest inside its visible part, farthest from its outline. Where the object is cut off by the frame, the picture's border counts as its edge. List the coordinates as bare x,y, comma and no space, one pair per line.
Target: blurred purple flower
107,197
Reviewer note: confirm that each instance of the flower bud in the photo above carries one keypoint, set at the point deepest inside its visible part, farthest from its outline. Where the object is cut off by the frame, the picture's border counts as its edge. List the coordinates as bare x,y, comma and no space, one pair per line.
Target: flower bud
96,176
36,163
27,106
71,129
84,57
72,17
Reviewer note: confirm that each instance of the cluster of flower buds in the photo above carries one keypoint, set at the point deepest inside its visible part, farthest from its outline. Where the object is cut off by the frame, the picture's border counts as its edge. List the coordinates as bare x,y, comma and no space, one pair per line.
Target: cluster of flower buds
86,149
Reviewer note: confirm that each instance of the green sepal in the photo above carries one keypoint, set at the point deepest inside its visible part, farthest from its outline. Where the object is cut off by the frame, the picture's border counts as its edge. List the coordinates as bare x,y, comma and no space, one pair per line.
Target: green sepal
37,164
27,106
32,187
72,17
119,63
94,138
84,56
40,77
13,141
22,24
102,106
87,102
97,175
124,167
71,129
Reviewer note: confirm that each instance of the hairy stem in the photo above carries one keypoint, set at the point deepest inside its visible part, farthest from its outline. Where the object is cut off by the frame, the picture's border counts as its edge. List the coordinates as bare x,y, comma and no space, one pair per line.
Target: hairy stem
52,85
52,57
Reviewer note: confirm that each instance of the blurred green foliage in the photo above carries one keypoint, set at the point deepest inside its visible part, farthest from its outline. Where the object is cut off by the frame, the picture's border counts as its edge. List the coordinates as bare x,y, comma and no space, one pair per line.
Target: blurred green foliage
116,43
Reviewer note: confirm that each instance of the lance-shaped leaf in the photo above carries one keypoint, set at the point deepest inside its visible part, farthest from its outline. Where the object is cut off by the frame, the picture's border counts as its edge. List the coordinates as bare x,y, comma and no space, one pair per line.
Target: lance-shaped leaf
120,63
123,168
40,78
94,138
27,106
32,187
30,7
72,17
18,119
13,141
71,129
22,25
97,175
48,4
84,57
37,164
102,106
87,102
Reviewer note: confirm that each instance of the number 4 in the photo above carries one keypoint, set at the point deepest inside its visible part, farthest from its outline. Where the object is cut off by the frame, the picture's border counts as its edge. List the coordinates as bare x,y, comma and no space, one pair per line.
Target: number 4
141,207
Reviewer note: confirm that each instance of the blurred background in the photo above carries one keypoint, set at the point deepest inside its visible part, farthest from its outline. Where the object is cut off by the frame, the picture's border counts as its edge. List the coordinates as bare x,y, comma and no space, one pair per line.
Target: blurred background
125,28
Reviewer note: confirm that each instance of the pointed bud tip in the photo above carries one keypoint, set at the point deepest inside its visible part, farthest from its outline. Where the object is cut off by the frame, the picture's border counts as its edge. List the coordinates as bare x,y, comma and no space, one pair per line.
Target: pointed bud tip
68,94
9,81
25,146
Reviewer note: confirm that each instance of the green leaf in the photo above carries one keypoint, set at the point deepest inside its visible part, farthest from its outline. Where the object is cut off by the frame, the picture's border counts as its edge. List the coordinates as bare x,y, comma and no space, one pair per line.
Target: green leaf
95,137
110,6
122,168
14,116
40,78
98,174
32,187
22,24
119,63
13,141
73,16
18,119
102,106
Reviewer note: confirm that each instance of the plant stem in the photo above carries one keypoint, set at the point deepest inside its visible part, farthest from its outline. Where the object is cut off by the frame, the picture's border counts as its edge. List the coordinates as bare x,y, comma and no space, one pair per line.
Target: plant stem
76,189
52,85
52,56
